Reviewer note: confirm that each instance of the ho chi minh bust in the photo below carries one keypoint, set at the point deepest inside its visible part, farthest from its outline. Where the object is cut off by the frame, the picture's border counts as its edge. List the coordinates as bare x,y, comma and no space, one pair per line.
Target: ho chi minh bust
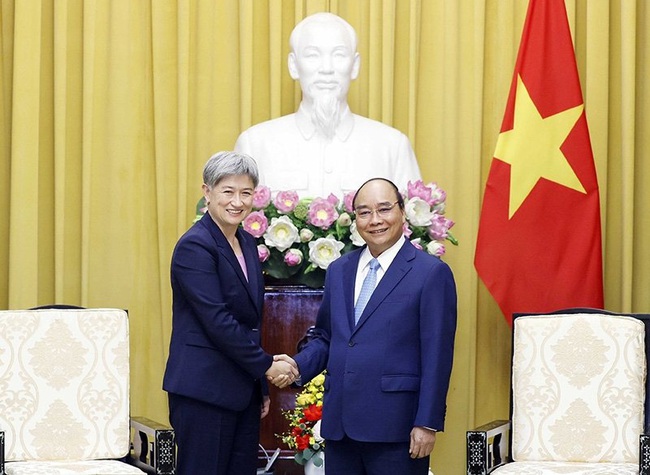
324,148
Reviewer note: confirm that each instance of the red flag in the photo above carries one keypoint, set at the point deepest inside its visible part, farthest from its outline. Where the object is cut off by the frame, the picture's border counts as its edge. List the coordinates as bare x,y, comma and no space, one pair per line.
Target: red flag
539,240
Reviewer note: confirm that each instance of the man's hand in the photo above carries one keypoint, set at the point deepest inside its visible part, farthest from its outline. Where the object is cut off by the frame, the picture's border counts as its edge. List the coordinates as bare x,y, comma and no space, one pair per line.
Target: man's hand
283,371
422,442
266,406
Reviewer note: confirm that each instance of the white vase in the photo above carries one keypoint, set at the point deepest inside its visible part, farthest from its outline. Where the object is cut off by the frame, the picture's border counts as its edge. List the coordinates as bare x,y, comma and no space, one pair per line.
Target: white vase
311,469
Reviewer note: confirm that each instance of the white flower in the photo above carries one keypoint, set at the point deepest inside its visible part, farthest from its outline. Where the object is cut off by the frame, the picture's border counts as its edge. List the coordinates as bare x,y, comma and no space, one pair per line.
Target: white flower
306,235
316,432
418,212
323,251
439,208
436,248
281,234
355,237
344,220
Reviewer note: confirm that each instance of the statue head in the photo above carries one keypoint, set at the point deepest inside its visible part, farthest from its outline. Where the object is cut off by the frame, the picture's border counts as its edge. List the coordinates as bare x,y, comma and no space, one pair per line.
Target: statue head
325,60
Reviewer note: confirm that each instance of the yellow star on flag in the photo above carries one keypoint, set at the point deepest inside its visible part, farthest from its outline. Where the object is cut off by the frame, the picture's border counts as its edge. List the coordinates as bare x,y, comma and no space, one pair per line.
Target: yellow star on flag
532,148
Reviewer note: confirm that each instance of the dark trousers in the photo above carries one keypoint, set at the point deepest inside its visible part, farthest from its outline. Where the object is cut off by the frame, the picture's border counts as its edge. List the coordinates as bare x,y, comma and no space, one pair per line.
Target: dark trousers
214,441
351,457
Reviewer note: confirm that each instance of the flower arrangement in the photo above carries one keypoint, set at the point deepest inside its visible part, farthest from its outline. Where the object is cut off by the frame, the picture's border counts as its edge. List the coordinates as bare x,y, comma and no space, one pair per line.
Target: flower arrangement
298,238
304,423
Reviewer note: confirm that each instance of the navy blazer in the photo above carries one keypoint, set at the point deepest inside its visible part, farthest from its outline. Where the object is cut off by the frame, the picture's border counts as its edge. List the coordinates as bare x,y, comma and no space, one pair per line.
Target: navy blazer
391,371
215,354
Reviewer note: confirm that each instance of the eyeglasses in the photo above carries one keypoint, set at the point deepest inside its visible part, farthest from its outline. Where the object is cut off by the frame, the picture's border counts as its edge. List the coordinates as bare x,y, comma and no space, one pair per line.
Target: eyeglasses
366,213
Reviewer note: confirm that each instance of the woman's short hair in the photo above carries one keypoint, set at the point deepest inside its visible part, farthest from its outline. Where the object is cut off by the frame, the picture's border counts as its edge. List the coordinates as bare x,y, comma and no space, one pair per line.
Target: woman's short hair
225,164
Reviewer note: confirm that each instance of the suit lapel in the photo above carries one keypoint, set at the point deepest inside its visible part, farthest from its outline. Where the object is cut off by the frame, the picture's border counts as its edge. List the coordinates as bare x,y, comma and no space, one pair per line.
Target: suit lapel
254,283
349,278
226,251
394,274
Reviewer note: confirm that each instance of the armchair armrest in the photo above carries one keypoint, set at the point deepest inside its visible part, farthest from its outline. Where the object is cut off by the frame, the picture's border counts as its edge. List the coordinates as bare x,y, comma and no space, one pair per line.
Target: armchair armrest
153,447
488,447
2,452
644,454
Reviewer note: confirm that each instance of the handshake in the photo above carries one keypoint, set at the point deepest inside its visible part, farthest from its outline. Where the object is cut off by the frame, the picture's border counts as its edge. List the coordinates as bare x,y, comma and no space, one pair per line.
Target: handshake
283,371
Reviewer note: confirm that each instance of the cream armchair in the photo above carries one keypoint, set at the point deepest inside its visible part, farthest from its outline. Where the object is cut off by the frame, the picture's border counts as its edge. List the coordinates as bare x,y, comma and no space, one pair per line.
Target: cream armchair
579,390
64,397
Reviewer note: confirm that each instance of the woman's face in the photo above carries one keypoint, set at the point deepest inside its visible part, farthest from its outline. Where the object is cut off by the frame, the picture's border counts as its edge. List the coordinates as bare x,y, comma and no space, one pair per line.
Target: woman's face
230,201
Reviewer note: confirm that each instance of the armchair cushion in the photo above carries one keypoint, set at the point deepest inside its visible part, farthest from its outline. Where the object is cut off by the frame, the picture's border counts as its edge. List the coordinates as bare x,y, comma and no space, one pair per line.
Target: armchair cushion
88,467
564,468
64,388
578,392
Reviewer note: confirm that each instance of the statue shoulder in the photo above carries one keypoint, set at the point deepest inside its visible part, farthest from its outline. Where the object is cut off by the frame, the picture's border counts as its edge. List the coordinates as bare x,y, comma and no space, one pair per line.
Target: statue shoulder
264,138
372,126
271,126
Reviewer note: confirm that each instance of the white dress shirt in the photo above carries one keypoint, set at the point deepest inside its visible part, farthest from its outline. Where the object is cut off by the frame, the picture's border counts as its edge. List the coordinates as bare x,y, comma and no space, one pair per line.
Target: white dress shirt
385,259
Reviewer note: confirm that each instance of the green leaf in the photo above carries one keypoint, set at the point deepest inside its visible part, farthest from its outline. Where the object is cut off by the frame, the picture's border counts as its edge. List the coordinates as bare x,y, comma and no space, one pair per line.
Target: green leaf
308,453
318,460
275,266
314,279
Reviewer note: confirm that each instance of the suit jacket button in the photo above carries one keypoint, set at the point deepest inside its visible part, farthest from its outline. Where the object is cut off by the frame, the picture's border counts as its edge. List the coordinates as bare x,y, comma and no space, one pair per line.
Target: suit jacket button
351,343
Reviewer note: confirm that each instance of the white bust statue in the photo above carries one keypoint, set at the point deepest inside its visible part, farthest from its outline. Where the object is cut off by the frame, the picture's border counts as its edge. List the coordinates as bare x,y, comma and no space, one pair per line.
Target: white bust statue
324,148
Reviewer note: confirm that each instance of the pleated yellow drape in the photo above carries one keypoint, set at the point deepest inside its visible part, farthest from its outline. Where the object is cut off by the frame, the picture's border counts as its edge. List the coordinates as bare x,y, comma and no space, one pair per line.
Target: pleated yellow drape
109,108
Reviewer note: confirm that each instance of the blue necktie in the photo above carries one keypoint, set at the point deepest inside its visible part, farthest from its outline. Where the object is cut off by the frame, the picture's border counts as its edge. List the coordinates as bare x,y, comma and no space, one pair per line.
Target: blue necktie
367,288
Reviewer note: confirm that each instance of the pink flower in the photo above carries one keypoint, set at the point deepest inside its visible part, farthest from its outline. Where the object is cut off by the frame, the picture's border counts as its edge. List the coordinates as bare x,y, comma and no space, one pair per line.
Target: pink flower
416,243
261,197
263,253
256,223
439,227
286,201
321,213
436,248
293,257
332,198
406,230
348,198
418,189
438,195
430,193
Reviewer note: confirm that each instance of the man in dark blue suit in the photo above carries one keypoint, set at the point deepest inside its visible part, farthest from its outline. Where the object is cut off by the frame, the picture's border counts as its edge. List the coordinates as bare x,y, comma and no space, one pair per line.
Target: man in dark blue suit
388,367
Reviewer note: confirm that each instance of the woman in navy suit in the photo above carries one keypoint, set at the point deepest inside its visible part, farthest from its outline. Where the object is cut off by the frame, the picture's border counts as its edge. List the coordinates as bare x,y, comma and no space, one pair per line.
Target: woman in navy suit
215,374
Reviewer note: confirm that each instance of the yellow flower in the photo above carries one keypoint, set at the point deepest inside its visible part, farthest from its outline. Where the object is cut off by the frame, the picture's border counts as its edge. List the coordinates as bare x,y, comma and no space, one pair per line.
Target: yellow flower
305,399
318,380
302,425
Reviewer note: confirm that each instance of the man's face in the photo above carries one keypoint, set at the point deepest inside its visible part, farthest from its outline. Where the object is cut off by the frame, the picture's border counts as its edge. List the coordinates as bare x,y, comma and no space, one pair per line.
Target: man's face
324,61
379,217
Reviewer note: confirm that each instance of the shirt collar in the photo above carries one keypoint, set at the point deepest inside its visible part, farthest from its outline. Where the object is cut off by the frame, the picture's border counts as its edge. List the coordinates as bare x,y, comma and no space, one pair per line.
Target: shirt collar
385,258
308,129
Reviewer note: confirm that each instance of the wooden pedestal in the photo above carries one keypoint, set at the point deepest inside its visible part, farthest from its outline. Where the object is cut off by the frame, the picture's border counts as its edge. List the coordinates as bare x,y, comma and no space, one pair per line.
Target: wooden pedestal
288,312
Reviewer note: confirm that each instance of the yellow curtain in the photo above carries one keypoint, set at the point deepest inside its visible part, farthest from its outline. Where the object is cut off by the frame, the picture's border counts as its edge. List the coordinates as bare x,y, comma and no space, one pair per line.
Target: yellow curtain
109,108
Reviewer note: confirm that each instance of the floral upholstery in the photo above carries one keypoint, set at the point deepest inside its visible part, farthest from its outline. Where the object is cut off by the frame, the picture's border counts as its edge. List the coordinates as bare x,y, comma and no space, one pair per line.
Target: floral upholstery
564,468
578,394
64,390
89,467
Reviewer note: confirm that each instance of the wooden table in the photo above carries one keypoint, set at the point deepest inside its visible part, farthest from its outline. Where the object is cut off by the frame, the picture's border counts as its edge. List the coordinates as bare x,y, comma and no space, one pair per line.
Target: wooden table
289,310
